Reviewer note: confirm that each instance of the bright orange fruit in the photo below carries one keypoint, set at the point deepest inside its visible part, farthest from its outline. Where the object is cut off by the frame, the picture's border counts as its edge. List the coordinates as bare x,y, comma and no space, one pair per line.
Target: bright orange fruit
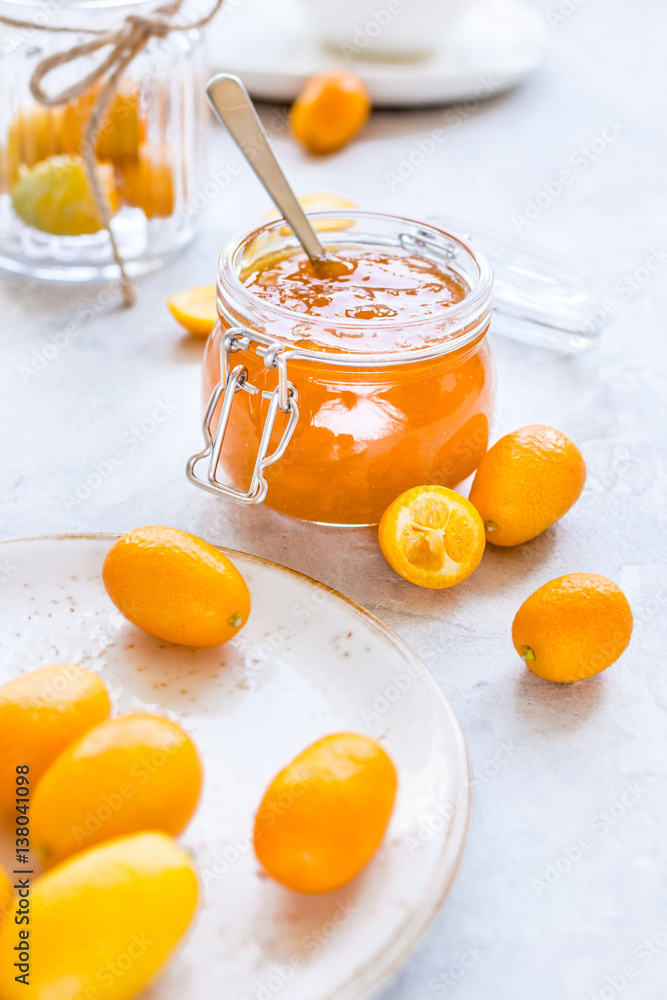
176,586
195,309
56,197
323,816
6,896
135,772
572,627
329,111
32,136
37,133
432,536
320,201
41,713
103,924
526,482
120,132
147,181
10,157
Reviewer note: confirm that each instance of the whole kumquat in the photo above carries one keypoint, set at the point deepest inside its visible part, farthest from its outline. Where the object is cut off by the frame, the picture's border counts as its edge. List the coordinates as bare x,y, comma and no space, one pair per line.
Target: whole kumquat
432,536
526,482
120,131
330,110
323,816
32,136
6,896
103,923
135,772
176,586
572,627
147,180
41,713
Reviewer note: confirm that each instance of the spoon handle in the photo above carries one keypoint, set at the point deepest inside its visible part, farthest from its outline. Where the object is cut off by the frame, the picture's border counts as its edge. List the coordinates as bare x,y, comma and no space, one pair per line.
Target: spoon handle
232,105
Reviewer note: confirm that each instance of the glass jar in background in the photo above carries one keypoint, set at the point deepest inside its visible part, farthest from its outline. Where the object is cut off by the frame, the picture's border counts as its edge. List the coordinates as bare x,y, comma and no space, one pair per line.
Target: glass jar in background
364,423
149,149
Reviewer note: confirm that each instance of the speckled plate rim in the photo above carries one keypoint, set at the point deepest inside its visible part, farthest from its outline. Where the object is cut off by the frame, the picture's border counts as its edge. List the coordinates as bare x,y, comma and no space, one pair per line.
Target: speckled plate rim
389,959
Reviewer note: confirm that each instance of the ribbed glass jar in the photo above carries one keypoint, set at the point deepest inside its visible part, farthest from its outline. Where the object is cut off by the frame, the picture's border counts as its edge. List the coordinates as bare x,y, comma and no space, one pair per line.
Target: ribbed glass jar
148,150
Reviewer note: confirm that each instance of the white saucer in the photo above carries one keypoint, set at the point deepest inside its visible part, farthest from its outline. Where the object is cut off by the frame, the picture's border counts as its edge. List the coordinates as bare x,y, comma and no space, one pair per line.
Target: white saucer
494,47
309,662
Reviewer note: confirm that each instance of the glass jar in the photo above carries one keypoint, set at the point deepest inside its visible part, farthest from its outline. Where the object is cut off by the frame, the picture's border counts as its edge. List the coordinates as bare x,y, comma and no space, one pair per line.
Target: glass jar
149,148
331,433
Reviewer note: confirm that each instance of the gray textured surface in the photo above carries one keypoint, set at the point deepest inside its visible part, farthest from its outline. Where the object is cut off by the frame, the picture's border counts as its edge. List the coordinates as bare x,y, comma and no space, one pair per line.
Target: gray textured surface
575,752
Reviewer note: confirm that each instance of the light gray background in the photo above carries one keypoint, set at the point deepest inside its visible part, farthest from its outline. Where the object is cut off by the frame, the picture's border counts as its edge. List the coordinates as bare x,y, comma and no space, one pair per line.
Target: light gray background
586,761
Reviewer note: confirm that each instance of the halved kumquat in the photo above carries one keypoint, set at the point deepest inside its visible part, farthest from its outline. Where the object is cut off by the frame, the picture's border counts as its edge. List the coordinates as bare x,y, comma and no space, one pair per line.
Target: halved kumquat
320,201
432,536
194,309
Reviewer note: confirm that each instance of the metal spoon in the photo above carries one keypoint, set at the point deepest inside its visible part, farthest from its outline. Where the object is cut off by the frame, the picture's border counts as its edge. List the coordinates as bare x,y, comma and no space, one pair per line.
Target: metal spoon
232,105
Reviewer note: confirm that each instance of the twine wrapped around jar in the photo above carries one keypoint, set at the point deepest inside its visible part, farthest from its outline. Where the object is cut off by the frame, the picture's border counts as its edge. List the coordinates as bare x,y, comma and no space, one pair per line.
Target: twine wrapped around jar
126,42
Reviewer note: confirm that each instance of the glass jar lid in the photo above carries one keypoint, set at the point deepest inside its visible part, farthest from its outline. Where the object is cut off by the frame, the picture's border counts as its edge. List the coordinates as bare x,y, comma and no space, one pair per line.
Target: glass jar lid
538,298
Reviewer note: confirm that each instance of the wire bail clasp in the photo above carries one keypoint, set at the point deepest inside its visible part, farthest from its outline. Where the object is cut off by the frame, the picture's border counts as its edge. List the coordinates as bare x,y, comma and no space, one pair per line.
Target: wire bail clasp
232,380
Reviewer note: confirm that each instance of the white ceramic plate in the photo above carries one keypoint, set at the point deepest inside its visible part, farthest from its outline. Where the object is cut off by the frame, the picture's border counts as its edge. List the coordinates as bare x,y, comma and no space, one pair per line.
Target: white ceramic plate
308,663
494,46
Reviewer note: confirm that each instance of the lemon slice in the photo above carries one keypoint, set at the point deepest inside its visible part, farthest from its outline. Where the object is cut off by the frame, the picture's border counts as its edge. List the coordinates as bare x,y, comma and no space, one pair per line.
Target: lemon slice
55,196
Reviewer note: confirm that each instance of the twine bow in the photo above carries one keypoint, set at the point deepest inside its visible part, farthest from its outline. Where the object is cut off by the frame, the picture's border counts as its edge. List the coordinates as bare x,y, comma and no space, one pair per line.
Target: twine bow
126,42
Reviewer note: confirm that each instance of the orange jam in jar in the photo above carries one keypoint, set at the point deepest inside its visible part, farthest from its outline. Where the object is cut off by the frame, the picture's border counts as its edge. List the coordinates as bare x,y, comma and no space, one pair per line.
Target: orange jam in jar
387,365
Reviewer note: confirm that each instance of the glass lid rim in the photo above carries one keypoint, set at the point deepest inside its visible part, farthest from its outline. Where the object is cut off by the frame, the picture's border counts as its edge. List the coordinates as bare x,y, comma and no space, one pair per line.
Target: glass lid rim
480,292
